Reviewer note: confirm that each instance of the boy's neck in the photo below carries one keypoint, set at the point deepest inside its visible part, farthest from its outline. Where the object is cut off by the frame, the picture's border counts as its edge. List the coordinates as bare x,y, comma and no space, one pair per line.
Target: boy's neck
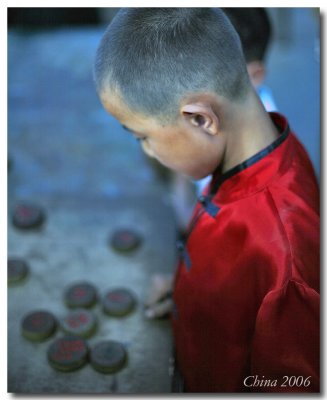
250,130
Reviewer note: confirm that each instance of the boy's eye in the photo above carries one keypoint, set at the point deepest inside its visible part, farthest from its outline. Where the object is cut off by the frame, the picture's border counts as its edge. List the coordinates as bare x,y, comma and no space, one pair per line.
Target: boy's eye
136,137
126,129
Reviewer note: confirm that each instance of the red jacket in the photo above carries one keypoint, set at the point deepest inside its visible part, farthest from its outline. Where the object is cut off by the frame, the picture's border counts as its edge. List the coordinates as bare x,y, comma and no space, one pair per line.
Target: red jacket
246,292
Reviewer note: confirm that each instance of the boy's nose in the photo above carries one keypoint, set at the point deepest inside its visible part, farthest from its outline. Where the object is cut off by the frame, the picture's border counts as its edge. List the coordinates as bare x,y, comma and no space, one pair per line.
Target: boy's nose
147,149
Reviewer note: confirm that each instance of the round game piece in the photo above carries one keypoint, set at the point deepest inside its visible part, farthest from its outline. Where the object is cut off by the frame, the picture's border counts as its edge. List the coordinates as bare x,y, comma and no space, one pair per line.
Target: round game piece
17,270
38,325
80,323
68,353
125,240
108,356
118,302
80,295
27,216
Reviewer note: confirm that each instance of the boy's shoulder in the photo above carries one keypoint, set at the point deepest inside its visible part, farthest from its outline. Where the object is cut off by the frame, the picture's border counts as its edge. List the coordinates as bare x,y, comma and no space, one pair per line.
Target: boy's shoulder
296,183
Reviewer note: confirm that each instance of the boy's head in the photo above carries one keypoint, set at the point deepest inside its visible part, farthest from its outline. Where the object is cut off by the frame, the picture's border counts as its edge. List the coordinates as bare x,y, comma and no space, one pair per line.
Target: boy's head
254,28
167,74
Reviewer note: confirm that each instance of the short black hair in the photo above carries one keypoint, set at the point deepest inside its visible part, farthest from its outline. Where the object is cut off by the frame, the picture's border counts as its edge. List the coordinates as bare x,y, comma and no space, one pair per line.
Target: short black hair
254,28
156,56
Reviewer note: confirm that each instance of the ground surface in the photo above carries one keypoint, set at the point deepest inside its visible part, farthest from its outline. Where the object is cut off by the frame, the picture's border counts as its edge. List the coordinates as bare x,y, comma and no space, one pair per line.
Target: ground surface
76,162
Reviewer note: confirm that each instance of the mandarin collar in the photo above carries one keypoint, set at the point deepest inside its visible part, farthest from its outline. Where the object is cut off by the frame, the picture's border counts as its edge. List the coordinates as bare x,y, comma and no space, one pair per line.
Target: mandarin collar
253,174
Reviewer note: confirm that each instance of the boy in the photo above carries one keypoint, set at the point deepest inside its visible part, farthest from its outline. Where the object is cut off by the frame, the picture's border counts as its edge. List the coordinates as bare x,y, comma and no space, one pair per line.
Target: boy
246,302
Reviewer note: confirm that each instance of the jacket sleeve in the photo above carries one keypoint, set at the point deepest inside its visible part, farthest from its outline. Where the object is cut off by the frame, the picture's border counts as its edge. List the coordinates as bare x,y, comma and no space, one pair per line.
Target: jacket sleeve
285,347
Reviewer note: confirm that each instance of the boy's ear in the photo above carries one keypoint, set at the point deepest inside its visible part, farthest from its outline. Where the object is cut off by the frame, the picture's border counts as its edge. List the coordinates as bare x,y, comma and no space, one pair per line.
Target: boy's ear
257,72
201,115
